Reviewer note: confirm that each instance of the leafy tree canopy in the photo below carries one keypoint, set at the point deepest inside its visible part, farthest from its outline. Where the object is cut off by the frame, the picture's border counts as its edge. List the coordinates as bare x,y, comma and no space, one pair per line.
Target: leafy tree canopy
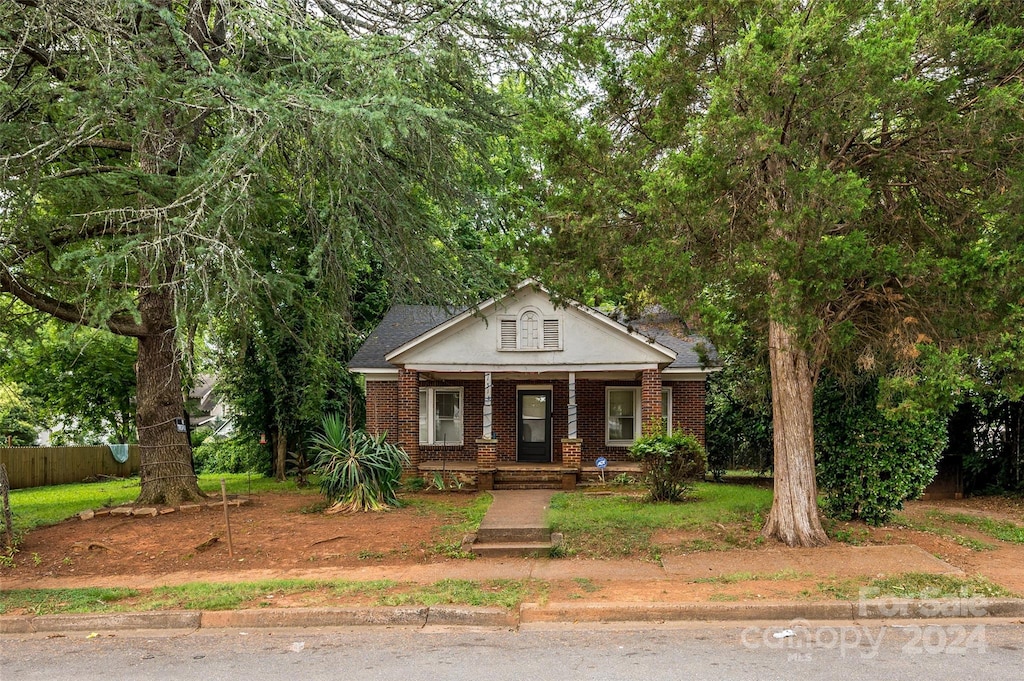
840,180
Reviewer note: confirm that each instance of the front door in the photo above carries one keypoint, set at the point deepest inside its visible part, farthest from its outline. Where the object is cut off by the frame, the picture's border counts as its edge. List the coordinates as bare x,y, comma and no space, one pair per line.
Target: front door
534,439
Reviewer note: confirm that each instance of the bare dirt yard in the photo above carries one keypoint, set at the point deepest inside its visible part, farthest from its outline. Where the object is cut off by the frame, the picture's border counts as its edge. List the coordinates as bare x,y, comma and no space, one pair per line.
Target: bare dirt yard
280,535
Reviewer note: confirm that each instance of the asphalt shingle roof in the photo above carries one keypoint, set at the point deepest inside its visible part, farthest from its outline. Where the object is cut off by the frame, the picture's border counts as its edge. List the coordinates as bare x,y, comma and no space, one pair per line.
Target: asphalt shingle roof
400,325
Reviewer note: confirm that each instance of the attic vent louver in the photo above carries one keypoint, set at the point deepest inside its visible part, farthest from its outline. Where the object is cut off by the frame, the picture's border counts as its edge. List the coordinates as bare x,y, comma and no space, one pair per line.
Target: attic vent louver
552,335
529,331
507,338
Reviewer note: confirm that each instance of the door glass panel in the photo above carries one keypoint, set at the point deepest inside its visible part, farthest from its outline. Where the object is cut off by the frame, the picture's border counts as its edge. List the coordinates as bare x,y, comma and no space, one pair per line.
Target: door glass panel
535,406
534,423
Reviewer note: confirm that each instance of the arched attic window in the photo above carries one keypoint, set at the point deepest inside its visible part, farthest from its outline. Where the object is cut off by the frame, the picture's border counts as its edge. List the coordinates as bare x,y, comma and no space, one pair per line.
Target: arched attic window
529,331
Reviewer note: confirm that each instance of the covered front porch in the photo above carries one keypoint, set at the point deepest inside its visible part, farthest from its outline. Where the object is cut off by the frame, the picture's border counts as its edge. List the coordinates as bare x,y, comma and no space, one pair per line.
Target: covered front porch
519,430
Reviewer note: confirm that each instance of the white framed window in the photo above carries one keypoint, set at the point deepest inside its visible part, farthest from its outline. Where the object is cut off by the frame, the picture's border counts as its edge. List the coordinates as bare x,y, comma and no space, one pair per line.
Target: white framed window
622,411
666,409
440,416
529,331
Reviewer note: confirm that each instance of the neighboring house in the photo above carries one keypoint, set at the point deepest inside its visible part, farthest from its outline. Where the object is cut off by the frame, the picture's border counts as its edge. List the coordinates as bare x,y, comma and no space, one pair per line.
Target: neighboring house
520,385
205,407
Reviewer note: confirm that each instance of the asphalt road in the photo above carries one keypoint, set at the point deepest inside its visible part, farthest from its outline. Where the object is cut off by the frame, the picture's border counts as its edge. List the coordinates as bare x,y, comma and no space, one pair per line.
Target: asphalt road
951,649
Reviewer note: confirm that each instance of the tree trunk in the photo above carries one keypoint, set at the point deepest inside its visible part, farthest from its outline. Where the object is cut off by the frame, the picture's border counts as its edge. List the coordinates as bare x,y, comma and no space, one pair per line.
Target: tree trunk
281,455
794,515
166,458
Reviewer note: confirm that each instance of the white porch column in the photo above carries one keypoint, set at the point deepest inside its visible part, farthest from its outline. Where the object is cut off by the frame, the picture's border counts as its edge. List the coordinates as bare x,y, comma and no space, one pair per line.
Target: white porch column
488,433
572,406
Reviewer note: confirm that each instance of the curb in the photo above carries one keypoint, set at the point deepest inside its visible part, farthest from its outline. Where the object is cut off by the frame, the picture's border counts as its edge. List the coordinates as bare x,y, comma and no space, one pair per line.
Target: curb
528,613
878,609
170,619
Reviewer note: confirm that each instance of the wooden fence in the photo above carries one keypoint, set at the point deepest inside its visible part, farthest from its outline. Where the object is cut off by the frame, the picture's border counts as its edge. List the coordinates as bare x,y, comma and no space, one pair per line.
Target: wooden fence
38,466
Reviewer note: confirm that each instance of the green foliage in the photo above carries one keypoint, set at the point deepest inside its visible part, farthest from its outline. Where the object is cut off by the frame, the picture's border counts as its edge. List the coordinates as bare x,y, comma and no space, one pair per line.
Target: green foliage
670,464
871,458
80,382
922,585
16,423
844,173
505,593
201,435
358,471
167,164
1004,530
54,601
238,454
739,417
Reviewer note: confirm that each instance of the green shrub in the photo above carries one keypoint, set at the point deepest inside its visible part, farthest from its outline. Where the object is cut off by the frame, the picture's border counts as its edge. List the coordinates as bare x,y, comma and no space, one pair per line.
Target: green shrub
201,435
871,459
232,455
359,471
670,464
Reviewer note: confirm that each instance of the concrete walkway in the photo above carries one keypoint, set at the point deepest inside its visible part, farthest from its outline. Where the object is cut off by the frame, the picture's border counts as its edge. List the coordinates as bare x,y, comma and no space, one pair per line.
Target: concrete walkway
523,509
514,525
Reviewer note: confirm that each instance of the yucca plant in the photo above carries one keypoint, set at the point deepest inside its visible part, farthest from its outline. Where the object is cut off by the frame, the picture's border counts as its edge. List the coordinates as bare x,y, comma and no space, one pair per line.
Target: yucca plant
358,471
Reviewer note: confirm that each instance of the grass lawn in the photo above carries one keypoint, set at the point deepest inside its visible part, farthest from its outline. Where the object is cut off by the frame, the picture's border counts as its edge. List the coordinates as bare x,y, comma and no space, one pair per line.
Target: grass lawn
38,506
504,593
621,525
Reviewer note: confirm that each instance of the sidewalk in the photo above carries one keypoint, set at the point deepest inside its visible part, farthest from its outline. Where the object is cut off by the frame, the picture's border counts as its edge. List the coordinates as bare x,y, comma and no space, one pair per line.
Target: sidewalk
626,591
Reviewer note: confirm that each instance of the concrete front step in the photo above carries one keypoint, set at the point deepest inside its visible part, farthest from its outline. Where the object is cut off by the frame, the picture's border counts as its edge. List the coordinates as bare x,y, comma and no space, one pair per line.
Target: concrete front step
538,549
517,534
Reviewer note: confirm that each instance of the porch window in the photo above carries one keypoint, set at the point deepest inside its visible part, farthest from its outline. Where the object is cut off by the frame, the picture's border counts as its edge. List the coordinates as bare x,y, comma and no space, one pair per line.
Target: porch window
623,408
440,416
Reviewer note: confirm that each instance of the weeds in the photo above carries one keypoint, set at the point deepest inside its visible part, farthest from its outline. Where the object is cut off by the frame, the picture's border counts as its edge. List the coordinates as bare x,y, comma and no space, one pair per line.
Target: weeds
1003,530
939,530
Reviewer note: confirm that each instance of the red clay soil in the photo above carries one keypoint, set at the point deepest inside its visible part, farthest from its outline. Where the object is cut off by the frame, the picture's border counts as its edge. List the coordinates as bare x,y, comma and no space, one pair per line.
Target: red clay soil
272,536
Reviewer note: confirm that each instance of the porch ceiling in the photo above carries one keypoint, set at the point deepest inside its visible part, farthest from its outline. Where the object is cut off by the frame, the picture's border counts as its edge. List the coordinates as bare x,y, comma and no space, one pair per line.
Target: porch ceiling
536,376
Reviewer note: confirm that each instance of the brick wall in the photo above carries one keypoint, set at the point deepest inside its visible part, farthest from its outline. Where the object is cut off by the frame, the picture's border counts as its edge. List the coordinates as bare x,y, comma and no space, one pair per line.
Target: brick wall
688,407
382,408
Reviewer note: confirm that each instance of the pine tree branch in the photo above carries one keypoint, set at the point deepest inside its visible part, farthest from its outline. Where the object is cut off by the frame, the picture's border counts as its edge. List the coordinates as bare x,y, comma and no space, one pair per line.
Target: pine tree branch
120,325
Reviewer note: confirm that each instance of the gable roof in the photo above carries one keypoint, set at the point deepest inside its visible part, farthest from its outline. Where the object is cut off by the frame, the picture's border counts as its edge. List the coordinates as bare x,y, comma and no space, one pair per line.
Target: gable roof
407,326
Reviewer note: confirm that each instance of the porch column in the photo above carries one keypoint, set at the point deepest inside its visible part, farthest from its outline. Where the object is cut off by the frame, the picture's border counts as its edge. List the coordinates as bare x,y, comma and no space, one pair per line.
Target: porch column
572,446
487,445
488,430
409,417
572,434
650,402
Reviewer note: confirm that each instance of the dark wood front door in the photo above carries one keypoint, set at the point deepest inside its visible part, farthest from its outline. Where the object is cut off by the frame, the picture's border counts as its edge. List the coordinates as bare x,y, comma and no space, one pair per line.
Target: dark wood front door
534,431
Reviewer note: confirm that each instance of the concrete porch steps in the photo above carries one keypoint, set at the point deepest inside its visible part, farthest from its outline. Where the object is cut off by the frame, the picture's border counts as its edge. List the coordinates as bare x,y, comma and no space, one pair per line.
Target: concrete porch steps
514,525
550,484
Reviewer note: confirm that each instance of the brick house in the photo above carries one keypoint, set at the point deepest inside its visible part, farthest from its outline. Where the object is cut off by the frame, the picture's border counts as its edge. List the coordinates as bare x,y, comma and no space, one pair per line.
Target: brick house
523,392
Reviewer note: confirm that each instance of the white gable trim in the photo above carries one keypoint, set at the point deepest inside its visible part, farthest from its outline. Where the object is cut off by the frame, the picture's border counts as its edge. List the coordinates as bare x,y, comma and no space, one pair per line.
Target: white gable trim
395,355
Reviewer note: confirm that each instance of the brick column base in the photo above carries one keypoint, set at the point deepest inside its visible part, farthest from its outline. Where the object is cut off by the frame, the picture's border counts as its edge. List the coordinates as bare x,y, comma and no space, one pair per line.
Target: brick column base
572,460
572,452
486,461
